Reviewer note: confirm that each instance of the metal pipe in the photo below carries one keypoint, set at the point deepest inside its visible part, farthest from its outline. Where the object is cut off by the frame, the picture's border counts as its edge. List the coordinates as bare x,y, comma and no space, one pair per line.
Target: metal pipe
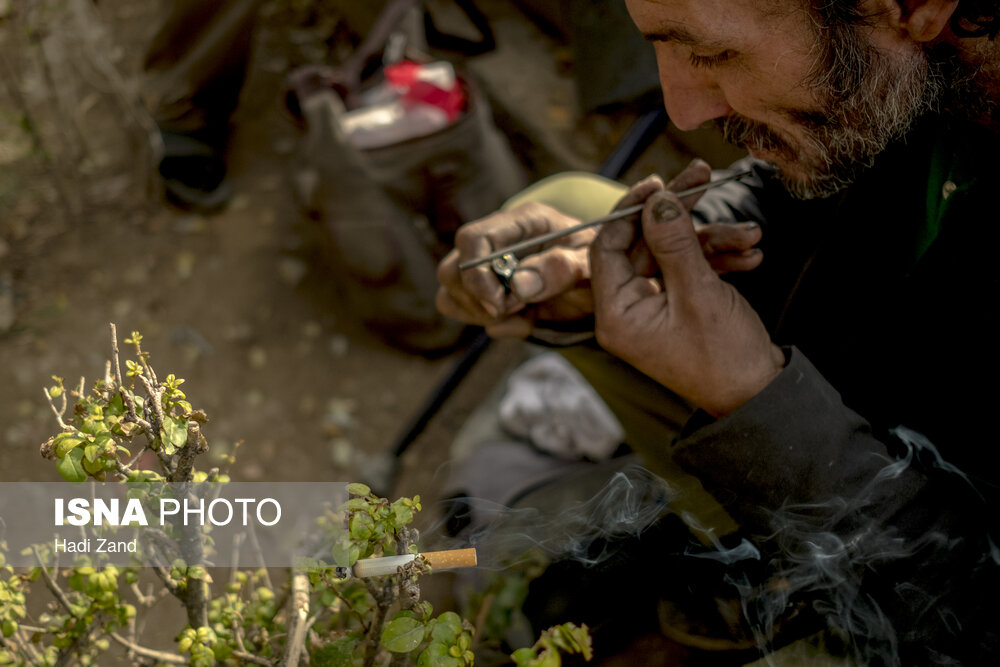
614,215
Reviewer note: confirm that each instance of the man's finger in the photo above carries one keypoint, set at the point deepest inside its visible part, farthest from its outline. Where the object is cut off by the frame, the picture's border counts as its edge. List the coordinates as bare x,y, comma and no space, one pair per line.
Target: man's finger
461,308
549,274
735,262
612,273
696,173
640,192
721,237
671,237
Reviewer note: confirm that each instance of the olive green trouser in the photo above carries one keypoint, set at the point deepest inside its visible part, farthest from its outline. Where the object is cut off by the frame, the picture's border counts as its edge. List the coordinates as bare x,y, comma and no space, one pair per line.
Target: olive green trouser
197,61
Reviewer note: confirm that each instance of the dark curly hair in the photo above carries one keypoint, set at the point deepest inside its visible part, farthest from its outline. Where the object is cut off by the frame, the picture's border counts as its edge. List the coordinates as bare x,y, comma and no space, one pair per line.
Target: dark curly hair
977,18
972,18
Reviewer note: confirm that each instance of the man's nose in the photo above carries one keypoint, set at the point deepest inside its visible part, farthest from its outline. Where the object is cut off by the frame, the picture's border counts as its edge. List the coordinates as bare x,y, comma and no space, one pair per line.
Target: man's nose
692,96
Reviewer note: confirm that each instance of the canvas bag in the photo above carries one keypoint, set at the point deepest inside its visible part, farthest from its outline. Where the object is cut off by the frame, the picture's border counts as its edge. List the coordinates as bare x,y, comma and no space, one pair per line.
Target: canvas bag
390,213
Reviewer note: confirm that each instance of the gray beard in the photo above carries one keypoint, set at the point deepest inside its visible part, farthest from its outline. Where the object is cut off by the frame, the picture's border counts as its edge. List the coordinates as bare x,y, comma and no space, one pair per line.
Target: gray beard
854,125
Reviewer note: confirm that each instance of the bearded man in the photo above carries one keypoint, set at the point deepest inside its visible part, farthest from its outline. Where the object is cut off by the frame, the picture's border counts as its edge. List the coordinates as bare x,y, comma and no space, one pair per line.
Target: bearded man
832,392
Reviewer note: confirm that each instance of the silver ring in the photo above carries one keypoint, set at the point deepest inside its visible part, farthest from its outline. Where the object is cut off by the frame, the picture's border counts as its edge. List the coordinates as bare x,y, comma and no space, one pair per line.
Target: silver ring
504,267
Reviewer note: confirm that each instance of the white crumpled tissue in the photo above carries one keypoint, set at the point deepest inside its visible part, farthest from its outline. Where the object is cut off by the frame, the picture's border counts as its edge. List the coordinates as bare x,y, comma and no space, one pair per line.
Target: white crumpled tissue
552,405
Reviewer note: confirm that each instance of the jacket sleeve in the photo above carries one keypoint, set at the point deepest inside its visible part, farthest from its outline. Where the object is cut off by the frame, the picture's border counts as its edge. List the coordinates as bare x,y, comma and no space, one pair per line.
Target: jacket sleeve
878,532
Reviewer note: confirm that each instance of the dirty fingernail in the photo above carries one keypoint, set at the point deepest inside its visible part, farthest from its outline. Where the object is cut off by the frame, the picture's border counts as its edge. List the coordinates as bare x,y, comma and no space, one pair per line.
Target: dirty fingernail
665,210
750,225
527,284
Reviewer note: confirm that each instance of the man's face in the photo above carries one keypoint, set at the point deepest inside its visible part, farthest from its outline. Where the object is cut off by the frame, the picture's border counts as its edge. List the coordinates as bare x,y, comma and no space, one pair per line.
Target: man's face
759,69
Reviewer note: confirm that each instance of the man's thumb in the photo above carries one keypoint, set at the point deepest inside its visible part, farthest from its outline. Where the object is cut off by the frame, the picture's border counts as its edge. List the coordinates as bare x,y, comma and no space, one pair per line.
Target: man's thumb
670,236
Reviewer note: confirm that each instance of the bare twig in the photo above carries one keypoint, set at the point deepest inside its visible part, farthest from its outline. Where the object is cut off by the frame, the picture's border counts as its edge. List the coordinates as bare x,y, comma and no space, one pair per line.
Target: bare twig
484,612
162,656
350,606
241,651
115,356
298,613
58,413
155,401
51,584
24,646
383,600
259,553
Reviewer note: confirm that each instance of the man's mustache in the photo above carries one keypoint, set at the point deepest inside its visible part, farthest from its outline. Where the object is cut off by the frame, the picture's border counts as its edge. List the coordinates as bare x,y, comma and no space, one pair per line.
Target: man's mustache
750,134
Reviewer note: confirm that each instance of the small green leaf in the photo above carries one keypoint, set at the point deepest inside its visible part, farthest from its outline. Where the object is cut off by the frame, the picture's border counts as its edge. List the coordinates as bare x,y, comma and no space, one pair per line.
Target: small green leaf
175,431
362,527
523,656
93,467
402,635
70,467
358,489
65,442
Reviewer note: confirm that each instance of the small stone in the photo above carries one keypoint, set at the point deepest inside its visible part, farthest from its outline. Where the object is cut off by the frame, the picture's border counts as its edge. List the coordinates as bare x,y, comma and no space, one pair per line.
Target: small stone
240,202
258,357
254,399
339,345
185,264
291,270
340,411
312,329
191,224
341,452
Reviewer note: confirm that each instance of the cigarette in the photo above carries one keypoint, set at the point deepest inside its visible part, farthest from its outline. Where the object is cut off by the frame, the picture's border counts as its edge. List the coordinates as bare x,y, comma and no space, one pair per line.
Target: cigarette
438,560
614,215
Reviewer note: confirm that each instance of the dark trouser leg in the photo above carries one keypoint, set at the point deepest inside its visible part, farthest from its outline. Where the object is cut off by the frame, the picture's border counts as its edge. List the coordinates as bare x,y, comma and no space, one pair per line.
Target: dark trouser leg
195,69
197,63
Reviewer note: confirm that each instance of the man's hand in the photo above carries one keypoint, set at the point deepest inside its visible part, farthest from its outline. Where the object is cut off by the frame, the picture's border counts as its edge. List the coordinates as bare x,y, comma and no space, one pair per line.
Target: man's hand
553,283
687,329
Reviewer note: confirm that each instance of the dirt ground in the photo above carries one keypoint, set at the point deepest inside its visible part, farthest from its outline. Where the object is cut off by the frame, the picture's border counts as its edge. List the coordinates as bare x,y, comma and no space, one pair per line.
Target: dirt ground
241,304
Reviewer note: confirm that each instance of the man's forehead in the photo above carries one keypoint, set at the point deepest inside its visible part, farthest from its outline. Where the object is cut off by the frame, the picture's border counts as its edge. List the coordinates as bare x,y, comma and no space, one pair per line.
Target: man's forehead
702,22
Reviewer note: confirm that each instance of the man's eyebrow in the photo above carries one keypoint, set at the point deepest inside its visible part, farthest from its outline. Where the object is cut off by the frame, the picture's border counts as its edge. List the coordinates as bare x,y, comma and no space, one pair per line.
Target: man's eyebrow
678,35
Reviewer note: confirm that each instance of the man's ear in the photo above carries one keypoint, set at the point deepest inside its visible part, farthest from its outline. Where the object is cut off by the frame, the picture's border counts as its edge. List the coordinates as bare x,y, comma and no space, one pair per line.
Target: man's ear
925,20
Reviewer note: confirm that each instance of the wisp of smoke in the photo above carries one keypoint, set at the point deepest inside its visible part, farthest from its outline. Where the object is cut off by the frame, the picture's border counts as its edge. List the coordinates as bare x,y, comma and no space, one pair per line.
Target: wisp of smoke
631,501
869,580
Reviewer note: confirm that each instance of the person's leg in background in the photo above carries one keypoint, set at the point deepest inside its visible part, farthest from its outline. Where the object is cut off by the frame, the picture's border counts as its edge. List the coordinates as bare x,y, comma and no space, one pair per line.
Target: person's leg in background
195,69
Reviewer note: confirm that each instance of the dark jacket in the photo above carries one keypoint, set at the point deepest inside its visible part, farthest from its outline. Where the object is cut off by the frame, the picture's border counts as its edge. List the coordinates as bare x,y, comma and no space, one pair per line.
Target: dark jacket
885,299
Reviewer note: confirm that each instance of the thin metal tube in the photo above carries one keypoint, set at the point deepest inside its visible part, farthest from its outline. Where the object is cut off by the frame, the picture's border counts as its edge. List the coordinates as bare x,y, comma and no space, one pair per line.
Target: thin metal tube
615,215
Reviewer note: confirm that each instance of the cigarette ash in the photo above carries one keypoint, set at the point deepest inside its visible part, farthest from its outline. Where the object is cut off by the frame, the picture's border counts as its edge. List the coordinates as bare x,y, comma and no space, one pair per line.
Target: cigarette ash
910,587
